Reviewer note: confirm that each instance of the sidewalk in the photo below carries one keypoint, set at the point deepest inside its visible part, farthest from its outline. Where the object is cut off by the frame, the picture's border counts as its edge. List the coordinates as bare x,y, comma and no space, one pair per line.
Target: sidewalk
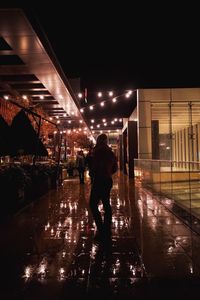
48,250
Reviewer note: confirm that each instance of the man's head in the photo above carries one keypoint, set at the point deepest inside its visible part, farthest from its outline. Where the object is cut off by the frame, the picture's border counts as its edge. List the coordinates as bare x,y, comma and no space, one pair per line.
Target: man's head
102,139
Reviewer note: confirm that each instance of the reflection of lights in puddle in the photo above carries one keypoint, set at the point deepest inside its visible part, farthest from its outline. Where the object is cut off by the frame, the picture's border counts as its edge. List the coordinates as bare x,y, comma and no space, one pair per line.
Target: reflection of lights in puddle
132,269
156,211
93,251
168,221
153,223
121,223
167,201
117,263
118,203
154,220
116,223
177,222
170,249
28,272
181,240
42,270
47,226
191,269
116,267
57,235
61,273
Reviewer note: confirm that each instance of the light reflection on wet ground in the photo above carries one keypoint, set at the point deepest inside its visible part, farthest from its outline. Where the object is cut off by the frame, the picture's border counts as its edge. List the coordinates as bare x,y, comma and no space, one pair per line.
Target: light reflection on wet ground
48,250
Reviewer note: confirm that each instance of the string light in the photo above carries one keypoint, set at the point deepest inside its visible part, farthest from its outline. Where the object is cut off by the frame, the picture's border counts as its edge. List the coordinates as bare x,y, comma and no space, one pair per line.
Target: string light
109,94
99,94
127,94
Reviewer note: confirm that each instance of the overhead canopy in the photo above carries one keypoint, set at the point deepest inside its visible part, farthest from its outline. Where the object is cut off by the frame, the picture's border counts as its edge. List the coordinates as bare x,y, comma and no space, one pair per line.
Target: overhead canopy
25,138
29,67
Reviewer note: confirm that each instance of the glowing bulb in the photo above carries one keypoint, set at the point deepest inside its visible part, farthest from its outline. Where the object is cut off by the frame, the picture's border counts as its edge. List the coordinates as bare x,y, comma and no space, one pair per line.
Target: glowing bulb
99,94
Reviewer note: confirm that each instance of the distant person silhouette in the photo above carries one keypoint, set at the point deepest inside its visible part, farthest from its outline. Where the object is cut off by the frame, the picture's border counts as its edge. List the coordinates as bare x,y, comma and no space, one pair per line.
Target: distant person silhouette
80,164
103,166
88,163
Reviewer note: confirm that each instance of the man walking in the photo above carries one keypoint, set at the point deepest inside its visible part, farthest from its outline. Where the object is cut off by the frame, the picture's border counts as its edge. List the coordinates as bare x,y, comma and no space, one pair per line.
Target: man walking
104,165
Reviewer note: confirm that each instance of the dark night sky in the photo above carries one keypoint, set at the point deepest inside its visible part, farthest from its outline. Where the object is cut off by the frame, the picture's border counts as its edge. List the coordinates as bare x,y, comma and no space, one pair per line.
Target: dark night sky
126,46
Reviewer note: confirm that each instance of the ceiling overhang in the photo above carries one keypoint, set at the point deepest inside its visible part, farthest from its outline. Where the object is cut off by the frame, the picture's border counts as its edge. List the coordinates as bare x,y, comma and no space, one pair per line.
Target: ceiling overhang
28,66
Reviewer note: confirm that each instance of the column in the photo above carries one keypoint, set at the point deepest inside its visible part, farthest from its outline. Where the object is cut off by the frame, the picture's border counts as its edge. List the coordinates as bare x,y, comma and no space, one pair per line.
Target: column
124,151
132,146
155,139
144,127
120,152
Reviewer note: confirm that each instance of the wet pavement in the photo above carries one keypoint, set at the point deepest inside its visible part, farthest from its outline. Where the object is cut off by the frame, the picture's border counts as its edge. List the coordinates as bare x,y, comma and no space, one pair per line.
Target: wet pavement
48,249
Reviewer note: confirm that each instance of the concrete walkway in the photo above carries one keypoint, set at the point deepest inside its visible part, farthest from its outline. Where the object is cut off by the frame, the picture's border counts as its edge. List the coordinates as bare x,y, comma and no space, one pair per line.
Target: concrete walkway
48,249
